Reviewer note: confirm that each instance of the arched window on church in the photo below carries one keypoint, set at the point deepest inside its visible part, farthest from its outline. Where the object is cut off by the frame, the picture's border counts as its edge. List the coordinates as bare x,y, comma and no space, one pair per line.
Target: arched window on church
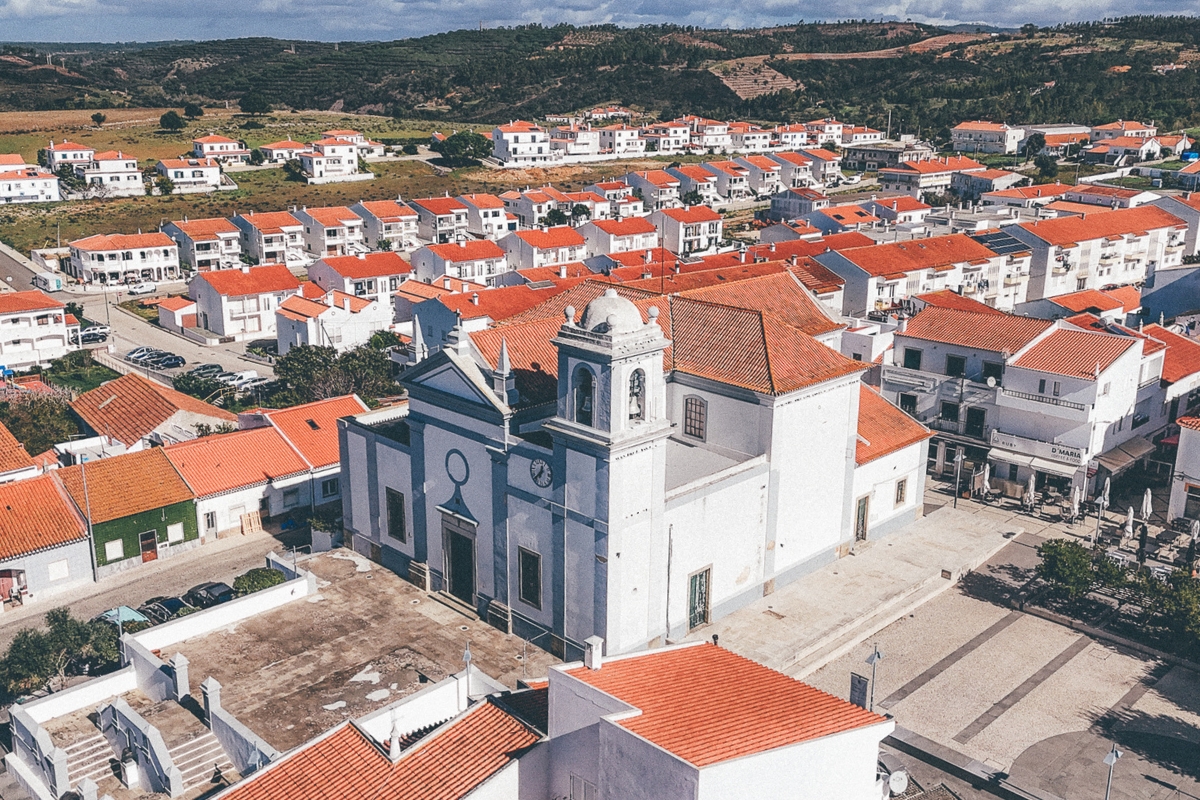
584,396
637,395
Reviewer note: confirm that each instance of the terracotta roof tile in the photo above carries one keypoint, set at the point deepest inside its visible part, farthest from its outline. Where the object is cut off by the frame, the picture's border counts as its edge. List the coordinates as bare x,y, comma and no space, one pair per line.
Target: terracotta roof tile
883,428
996,333
1130,297
271,221
482,200
205,229
1183,354
658,177
131,407
1029,192
251,280
176,303
37,514
692,214
950,299
214,139
707,705
124,485
1067,231
122,241
912,256
551,238
184,163
1076,354
332,216
780,295
312,428
32,300
625,227
500,303
388,210
675,283
345,765
533,358
470,250
370,265
286,144
439,206
227,461
1087,300
936,165
816,277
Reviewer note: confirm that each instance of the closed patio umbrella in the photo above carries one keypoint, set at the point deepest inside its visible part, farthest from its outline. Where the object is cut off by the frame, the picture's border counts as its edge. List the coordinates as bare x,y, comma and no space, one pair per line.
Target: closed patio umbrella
1104,494
987,476
1075,493
1031,491
1195,529
1147,505
1129,524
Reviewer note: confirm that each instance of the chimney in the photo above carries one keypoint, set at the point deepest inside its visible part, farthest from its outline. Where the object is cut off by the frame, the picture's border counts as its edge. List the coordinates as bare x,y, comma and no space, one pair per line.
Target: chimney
562,271
346,304
246,269
474,298
901,323
593,652
362,256
772,248
448,283
394,744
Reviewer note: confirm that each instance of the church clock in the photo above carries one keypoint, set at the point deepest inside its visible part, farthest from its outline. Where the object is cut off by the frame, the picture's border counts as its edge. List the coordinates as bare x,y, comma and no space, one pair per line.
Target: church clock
539,470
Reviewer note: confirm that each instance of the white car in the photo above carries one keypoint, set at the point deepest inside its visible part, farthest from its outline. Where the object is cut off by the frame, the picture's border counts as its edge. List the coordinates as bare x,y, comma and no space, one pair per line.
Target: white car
143,288
238,379
101,329
853,179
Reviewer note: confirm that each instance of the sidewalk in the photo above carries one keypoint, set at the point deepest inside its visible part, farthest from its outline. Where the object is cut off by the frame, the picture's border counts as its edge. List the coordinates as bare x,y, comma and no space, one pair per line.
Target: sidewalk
810,622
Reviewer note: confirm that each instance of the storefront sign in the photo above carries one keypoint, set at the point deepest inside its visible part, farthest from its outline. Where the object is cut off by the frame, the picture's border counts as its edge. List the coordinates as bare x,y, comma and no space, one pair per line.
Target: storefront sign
1064,454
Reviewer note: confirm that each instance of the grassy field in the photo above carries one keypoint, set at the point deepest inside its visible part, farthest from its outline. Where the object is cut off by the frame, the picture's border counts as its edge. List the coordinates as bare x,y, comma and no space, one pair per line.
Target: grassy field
30,226
79,379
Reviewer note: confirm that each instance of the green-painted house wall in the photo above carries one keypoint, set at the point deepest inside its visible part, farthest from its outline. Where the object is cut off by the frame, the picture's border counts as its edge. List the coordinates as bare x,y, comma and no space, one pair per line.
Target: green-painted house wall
129,529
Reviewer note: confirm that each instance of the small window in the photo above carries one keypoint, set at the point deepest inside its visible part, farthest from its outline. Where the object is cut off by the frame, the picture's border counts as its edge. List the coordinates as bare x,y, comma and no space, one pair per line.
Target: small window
1191,506
956,366
329,487
856,356
1042,386
1057,388
584,396
1104,389
581,789
529,565
396,526
901,491
993,369
175,532
695,417
637,395
291,498
114,550
912,358
210,520
58,570
949,411
908,404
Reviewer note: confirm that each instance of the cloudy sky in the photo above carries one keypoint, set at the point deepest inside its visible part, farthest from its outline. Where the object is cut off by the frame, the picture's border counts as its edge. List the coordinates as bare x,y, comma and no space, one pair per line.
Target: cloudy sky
333,20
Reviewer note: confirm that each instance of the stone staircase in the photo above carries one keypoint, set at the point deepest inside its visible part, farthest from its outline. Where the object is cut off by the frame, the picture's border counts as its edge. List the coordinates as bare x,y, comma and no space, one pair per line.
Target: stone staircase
198,758
90,758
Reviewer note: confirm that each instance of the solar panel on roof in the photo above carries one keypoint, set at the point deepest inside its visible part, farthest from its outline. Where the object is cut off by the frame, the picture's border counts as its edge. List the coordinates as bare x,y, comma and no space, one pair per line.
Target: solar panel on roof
1000,243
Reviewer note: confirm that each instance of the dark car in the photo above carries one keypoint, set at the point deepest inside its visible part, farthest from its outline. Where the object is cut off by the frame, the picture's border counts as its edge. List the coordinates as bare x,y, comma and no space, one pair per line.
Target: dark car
93,338
170,362
206,370
209,594
161,609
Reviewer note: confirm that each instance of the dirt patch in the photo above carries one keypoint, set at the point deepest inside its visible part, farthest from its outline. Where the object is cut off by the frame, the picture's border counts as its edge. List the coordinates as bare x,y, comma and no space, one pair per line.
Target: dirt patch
749,80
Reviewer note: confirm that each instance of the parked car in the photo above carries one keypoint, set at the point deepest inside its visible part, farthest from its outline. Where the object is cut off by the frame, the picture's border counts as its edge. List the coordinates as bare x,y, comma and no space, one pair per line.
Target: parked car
149,355
143,288
138,351
171,362
161,609
209,594
254,383
93,338
121,615
104,329
225,378
851,180
206,370
157,359
242,378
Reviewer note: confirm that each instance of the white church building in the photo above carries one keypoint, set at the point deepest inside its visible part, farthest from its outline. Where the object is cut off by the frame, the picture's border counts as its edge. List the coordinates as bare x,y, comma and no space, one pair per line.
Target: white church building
633,471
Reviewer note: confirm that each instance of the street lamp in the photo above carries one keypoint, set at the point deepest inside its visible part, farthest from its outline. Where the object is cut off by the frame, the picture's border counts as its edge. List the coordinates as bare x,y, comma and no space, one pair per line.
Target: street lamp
873,660
959,457
1111,760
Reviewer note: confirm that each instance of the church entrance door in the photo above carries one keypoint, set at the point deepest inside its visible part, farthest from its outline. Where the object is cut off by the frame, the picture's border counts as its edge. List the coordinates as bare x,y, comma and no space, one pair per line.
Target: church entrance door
460,566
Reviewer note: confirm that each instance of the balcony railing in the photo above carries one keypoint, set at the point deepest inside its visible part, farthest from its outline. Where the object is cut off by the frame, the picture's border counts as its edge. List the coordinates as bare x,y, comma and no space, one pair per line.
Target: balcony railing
1041,398
981,432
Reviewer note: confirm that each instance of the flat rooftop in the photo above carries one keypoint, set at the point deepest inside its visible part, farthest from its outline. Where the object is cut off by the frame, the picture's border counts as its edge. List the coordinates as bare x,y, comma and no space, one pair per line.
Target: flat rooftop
688,462
367,639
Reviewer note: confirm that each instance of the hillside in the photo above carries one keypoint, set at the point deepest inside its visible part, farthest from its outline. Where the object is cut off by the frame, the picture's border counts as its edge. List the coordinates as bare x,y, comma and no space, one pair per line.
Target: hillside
926,77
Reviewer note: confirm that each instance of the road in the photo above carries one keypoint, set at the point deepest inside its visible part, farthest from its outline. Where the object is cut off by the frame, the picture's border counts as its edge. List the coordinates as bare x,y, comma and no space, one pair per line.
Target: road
14,273
222,560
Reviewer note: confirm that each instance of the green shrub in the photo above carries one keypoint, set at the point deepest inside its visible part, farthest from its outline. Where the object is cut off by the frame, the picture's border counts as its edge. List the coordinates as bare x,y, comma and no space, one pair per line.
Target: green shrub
256,580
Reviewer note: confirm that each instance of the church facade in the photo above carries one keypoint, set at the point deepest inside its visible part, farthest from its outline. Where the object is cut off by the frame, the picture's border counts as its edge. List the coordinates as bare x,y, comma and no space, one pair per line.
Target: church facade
633,471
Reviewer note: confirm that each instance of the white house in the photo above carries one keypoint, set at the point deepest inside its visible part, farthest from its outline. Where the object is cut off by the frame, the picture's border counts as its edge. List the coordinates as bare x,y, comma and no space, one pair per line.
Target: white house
480,260
35,330
331,231
667,137
337,320
795,169
279,152
791,137
657,188
691,229
112,173
763,175
985,137
192,174
699,179
933,176
391,221
903,210
206,243
222,148
274,237
375,276
619,236
441,219
67,154
727,449
747,138
332,160
125,258
522,144
28,185
822,131
732,179
543,248
575,140
1121,128
366,147
487,216
708,134
241,302
621,140
1185,483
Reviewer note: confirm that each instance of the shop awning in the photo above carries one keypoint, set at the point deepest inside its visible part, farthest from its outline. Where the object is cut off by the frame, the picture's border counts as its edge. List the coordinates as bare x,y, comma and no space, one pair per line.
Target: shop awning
1010,457
1054,467
1137,447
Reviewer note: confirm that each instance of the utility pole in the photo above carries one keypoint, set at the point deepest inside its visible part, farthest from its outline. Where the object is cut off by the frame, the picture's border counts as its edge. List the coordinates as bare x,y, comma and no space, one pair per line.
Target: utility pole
873,660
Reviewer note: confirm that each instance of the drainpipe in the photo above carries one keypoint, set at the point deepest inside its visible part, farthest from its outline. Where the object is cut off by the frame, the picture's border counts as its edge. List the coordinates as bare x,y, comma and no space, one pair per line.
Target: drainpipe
87,503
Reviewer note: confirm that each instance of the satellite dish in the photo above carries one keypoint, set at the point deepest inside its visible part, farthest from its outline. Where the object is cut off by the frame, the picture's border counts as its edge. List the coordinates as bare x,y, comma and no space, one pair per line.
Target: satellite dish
991,382
898,782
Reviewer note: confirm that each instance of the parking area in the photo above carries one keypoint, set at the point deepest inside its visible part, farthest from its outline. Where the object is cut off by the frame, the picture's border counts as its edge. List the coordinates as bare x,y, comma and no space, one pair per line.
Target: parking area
1029,698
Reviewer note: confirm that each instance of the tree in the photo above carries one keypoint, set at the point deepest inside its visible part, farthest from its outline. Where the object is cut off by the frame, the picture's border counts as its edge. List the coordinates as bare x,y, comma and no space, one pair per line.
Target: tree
1034,144
580,212
1066,566
38,659
464,148
302,364
256,157
369,372
39,421
555,217
692,198
197,386
384,340
171,121
1047,166
165,185
257,579
99,119
192,111
254,104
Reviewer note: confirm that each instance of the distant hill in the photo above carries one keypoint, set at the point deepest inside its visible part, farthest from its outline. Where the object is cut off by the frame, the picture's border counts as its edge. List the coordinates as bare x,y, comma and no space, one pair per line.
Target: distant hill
924,76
